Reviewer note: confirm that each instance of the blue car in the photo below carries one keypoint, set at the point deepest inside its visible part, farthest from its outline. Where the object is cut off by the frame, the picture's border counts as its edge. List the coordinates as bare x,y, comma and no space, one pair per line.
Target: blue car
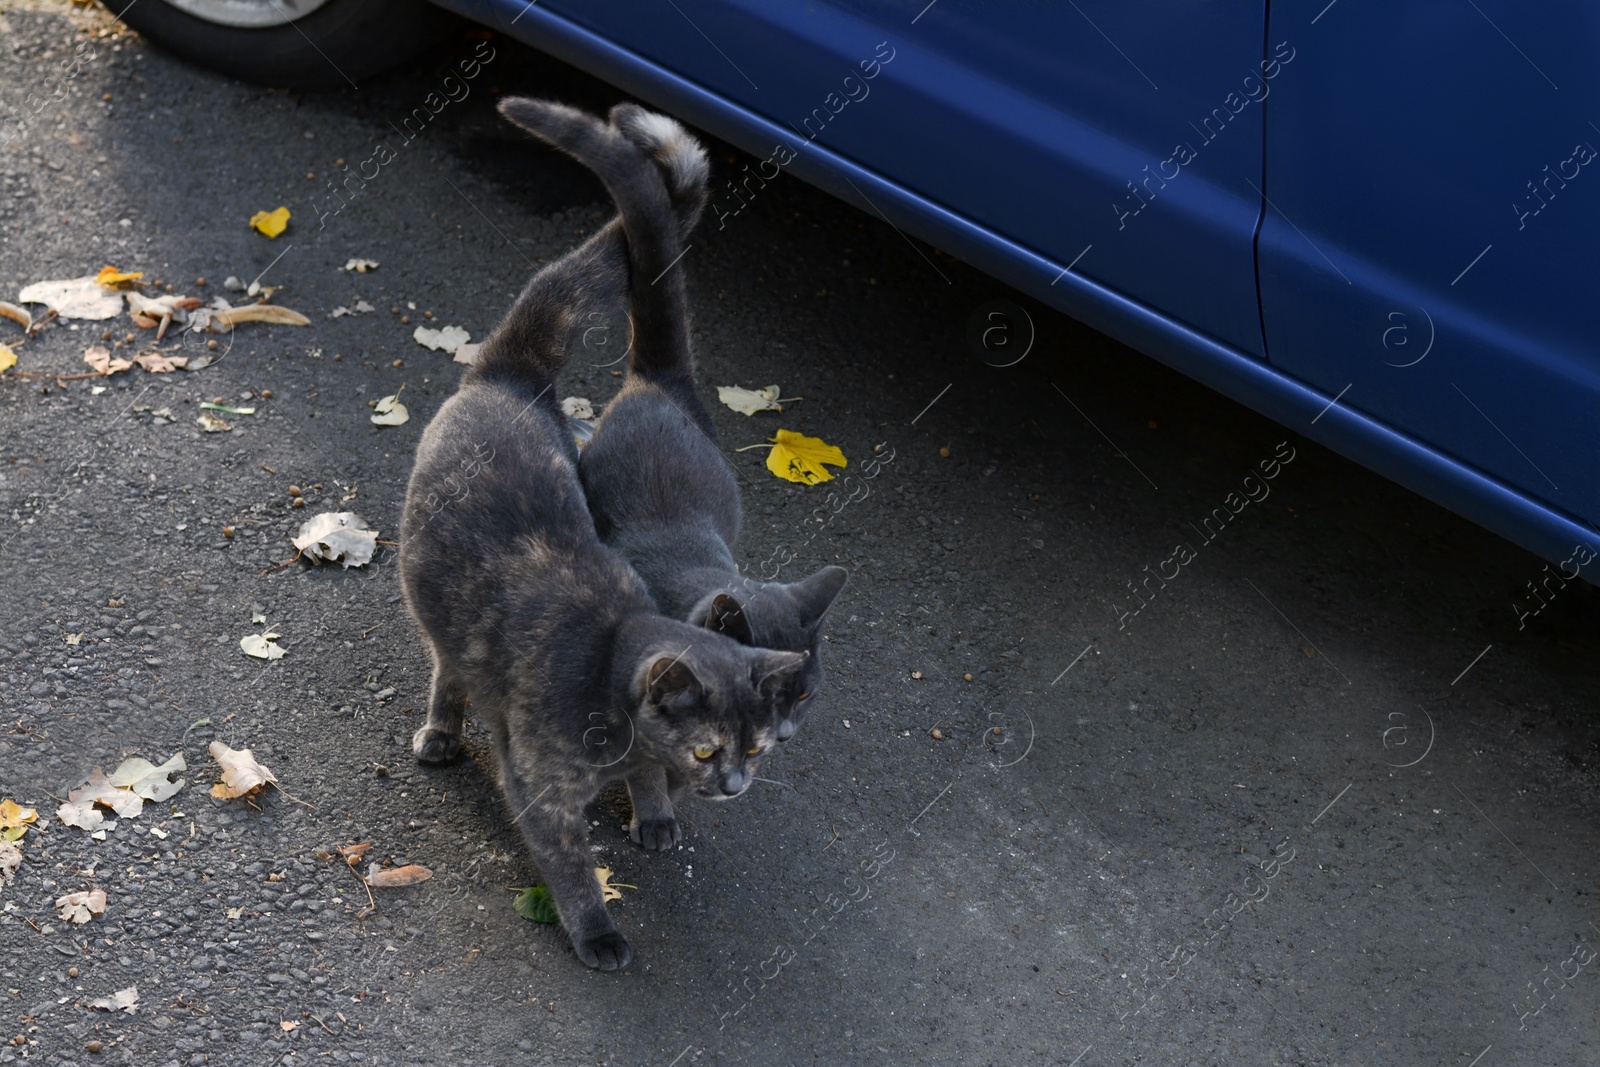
1375,223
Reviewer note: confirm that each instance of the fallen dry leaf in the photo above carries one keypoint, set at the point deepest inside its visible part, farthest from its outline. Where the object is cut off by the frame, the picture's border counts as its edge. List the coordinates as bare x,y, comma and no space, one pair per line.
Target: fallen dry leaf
261,646
749,401
390,412
82,807
82,906
14,819
337,537
224,320
360,266
213,424
446,340
10,861
577,407
289,1026
147,780
111,277
608,891
396,877
467,354
241,774
99,359
159,363
74,298
17,315
798,458
270,223
126,1000
8,358
353,853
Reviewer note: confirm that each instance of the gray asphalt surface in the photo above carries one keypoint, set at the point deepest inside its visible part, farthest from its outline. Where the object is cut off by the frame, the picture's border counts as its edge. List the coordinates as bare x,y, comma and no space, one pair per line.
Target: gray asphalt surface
1319,801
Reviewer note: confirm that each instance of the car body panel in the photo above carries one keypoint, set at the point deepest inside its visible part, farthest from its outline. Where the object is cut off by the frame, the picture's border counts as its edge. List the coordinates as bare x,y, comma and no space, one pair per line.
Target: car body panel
1311,406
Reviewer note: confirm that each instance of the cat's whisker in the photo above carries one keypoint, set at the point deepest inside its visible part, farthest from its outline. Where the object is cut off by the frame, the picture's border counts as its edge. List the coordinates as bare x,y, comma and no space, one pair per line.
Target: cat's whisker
770,781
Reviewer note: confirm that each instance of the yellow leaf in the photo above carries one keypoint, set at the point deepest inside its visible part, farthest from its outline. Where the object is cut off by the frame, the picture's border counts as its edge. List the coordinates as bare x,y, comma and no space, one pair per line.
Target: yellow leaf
241,774
270,223
607,890
798,458
111,277
15,816
8,358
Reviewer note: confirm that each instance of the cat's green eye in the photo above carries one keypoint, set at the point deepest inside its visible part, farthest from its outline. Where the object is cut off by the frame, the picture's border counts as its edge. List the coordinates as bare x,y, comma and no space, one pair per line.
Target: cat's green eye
754,751
704,752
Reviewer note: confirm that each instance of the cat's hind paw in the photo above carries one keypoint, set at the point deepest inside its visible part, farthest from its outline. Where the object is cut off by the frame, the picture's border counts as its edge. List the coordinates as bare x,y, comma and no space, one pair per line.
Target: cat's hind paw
433,745
657,835
604,952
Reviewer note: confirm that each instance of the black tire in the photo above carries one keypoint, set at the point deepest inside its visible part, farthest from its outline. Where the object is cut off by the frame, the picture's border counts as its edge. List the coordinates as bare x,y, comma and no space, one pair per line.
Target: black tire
338,44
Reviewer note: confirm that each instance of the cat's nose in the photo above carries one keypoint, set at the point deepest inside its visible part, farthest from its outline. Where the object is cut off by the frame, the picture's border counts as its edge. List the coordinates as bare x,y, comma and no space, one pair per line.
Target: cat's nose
735,782
786,729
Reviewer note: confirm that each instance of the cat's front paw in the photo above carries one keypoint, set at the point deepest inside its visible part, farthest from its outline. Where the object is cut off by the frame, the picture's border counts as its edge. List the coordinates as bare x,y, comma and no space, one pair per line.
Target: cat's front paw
604,952
658,835
433,745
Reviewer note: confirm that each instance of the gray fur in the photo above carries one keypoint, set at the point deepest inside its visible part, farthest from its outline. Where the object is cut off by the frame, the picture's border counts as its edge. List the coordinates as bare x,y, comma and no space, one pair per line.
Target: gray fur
547,632
660,490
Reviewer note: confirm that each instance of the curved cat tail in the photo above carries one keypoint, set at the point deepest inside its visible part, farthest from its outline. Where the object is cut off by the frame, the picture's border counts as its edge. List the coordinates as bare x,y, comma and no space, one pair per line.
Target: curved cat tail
682,159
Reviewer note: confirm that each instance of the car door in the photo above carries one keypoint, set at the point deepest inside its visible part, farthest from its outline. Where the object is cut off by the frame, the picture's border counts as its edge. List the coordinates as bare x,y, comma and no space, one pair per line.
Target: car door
1431,250
1121,140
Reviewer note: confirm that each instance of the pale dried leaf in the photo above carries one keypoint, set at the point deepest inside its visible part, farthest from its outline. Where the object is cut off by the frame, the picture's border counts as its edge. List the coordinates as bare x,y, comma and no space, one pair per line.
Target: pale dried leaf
10,862
213,423
74,298
390,412
467,354
337,537
241,774
160,363
577,407
80,811
99,359
749,401
82,906
396,877
261,646
608,890
14,816
126,1000
147,780
446,340
360,266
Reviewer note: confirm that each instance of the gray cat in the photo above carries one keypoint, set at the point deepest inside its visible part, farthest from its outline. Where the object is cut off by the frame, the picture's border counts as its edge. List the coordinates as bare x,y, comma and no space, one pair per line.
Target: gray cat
659,489
548,632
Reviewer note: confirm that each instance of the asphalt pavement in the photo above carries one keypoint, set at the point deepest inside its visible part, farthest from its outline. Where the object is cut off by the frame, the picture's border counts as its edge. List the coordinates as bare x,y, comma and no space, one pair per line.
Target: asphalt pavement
1321,789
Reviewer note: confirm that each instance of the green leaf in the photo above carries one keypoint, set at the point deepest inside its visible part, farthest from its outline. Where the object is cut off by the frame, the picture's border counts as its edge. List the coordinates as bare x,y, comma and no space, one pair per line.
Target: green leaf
534,902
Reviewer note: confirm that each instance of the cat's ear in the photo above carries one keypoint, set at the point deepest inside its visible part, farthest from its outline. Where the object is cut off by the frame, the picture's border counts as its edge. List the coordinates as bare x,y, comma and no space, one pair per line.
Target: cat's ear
771,671
726,615
671,683
814,595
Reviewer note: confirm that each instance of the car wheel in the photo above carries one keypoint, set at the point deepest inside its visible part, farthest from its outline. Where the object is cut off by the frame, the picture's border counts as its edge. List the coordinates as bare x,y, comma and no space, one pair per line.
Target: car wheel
304,44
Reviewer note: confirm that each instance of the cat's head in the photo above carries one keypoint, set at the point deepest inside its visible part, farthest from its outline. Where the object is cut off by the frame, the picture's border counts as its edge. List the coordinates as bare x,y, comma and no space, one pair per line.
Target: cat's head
705,708
783,616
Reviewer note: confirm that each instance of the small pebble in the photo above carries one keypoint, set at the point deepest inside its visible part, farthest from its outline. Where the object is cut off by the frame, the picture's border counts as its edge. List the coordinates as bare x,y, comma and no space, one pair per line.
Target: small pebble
106,336
399,363
966,677
916,674
945,452
316,485
338,162
294,490
380,770
227,531
937,736
72,972
211,343
405,320
372,403
94,1046
199,281
299,502
427,314
266,394
106,97
337,357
